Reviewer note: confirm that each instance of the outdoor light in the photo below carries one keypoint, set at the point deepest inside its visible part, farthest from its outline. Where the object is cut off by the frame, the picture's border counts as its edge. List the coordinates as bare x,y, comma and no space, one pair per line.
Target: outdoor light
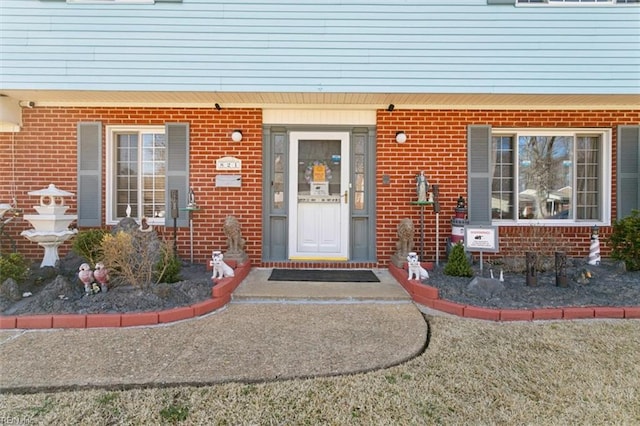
236,135
390,107
401,137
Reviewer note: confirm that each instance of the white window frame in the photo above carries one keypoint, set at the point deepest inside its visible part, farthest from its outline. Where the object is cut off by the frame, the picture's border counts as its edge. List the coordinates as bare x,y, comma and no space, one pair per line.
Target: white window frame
606,172
111,131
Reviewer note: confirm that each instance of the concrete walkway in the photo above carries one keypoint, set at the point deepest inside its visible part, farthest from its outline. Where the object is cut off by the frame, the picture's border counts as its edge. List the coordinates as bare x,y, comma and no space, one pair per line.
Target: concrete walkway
270,331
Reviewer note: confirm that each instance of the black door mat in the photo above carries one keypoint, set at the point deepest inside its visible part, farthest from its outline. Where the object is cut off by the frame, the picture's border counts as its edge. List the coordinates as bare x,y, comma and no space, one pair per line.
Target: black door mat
327,275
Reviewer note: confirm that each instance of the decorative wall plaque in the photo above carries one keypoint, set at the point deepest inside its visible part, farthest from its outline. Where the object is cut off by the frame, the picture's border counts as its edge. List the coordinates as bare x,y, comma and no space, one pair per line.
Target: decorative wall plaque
228,163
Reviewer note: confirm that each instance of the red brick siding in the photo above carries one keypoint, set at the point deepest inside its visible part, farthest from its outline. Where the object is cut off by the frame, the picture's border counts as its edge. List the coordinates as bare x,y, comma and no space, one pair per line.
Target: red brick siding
437,144
45,151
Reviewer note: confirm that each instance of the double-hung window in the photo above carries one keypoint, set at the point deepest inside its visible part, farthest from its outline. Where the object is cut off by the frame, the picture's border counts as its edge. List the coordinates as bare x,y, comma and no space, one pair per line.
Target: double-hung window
555,176
136,173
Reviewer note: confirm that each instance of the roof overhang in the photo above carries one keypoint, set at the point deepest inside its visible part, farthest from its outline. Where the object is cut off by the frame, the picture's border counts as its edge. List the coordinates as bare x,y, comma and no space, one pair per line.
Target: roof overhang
324,100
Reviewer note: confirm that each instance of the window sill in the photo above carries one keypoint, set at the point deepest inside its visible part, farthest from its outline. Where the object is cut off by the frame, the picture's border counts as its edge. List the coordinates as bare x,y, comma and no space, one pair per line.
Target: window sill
554,223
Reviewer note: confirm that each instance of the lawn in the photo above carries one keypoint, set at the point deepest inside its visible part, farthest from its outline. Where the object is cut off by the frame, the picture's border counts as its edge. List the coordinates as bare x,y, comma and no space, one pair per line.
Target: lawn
473,372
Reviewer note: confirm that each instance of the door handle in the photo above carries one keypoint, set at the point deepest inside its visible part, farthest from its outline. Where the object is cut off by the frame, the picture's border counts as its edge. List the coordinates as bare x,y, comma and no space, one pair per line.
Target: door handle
346,196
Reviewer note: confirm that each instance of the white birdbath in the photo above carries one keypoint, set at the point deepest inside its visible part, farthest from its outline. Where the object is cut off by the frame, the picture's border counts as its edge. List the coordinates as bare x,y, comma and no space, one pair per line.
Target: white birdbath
51,224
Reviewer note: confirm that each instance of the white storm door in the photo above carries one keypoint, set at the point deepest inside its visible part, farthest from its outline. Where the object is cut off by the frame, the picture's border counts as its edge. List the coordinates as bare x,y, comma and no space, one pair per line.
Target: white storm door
319,196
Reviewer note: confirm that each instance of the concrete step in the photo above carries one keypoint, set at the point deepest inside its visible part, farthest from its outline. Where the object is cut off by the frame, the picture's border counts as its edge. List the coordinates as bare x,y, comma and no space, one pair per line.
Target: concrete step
257,288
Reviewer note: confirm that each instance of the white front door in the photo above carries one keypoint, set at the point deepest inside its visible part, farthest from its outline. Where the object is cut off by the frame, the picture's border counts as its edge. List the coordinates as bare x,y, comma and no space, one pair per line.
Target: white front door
319,196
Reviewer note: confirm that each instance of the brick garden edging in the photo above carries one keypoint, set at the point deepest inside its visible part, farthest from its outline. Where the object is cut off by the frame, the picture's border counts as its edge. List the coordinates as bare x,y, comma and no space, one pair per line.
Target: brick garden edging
220,296
429,297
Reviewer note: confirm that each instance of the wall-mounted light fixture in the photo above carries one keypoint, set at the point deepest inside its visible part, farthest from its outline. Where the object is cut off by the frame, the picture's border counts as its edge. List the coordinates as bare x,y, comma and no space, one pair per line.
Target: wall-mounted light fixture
236,135
27,104
390,107
401,137
218,107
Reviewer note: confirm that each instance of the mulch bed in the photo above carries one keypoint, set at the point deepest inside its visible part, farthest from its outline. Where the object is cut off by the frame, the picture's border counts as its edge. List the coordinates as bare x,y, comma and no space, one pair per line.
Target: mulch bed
608,286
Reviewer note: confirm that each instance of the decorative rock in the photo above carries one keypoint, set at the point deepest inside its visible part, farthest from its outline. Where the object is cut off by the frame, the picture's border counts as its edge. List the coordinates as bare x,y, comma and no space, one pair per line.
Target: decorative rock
10,290
621,267
584,276
485,287
61,286
128,224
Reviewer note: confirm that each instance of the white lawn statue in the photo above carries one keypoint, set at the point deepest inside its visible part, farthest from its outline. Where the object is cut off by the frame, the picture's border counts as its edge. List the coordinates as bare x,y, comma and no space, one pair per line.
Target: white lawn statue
220,268
416,271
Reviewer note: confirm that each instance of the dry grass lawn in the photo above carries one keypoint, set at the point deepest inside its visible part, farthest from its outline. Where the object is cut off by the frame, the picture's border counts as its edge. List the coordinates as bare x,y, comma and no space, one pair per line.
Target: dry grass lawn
474,372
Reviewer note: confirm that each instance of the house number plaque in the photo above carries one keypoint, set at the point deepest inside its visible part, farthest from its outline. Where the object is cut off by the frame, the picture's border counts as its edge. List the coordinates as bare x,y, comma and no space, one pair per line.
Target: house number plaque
228,163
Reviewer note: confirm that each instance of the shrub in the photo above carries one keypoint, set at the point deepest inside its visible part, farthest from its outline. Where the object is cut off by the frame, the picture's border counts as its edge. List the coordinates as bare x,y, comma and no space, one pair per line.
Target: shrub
88,244
119,256
168,267
458,265
13,266
138,260
625,240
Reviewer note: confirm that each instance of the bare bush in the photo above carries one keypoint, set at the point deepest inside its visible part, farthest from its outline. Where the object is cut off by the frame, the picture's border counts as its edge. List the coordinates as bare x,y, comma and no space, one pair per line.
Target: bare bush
133,260
543,240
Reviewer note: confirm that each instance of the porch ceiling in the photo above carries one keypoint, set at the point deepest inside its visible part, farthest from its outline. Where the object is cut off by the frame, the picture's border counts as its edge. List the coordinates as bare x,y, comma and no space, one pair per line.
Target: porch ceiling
324,100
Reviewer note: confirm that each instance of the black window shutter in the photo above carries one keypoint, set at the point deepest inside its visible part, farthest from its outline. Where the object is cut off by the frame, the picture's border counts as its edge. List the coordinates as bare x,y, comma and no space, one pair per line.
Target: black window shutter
478,174
628,193
89,173
177,135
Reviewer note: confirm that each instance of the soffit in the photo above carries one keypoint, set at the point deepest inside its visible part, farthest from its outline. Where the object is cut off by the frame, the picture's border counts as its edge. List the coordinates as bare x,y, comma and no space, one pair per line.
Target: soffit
324,100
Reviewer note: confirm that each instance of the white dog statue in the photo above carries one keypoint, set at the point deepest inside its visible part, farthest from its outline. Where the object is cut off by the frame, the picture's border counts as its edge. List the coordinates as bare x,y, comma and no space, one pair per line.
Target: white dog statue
220,268
416,271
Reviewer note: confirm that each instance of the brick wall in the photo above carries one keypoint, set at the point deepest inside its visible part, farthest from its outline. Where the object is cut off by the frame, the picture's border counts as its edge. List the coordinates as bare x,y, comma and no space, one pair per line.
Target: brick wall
437,144
45,152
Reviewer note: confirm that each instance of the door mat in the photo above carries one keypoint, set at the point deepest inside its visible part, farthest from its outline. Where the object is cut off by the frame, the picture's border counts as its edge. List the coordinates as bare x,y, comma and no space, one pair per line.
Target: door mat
327,275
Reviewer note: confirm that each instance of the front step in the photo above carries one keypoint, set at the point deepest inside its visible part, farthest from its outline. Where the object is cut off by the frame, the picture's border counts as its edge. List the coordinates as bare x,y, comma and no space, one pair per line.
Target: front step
257,287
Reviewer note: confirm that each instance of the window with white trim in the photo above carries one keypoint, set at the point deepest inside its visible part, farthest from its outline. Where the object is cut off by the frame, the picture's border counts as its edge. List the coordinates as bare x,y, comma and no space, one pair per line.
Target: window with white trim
136,173
545,175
